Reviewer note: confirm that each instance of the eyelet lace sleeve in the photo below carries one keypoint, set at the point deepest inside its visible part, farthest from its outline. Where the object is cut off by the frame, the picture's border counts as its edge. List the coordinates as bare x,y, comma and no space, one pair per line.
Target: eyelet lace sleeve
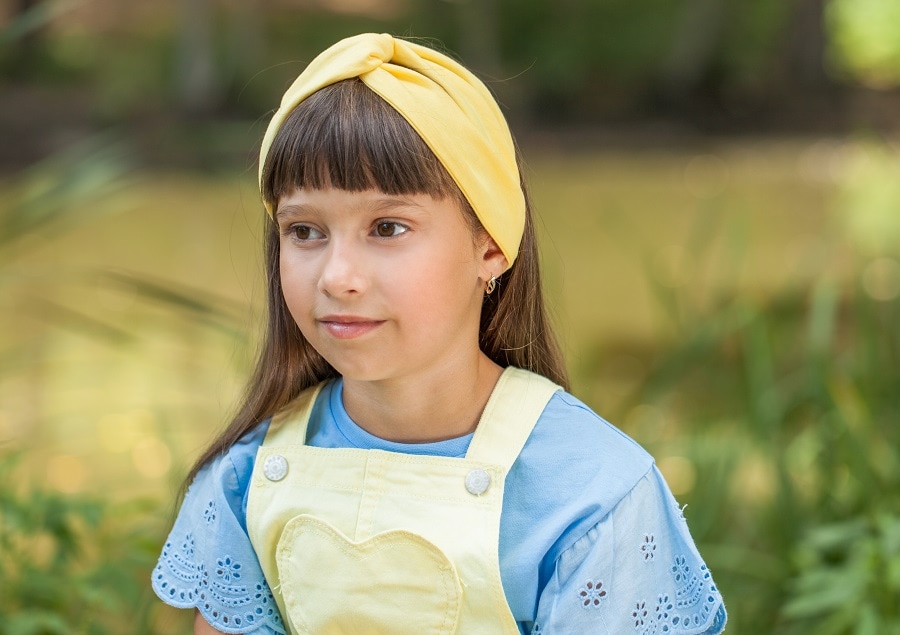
636,571
208,562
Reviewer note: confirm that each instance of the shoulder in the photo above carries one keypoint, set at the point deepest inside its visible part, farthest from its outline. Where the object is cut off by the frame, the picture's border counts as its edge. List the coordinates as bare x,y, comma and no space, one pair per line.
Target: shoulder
230,472
572,449
590,509
223,483
575,467
573,471
565,416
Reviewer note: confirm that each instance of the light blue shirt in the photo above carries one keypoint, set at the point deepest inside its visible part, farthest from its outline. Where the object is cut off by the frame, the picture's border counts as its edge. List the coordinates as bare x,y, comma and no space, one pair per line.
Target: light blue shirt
591,538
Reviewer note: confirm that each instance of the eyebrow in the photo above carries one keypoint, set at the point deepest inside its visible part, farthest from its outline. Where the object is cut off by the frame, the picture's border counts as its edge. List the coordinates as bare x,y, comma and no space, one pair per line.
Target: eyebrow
292,210
392,202
379,205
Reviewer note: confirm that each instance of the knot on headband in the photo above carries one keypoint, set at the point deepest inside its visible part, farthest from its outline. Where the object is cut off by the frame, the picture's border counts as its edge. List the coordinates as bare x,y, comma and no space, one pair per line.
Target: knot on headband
446,105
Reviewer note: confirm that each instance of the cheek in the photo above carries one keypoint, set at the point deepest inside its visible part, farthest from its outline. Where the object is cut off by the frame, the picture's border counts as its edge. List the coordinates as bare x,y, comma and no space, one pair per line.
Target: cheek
294,287
443,290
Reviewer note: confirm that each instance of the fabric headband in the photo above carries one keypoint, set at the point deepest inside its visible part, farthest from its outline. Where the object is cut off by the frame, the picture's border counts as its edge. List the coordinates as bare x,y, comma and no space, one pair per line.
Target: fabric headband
446,105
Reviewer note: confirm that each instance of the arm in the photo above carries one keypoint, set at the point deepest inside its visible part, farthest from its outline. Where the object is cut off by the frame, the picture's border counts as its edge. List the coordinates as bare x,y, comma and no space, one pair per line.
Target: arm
636,570
208,563
202,627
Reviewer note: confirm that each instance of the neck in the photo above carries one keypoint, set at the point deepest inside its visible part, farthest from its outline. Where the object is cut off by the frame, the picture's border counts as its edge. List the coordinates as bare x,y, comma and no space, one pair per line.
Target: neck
442,404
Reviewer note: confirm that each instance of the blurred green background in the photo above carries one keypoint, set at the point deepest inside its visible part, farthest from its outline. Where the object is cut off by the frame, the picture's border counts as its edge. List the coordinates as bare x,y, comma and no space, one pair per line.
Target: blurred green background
718,190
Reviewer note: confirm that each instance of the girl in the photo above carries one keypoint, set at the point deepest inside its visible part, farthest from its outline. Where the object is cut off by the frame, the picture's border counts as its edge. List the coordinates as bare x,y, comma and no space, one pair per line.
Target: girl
406,459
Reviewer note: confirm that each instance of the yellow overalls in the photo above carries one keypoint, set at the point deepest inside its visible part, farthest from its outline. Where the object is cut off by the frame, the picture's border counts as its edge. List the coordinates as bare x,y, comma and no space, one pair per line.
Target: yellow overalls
361,542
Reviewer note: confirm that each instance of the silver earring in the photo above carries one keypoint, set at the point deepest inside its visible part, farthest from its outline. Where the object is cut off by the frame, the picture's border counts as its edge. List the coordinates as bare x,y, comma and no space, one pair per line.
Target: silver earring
491,285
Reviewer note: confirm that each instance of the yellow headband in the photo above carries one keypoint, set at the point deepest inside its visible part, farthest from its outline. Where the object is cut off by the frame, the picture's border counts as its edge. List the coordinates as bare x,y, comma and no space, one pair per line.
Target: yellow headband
448,106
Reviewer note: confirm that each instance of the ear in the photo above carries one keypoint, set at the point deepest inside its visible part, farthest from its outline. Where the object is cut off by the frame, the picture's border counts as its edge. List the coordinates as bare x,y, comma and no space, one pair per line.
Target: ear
491,261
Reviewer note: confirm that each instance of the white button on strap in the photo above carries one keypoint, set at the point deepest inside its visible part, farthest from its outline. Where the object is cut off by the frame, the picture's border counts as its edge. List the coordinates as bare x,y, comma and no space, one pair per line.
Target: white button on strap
477,482
275,468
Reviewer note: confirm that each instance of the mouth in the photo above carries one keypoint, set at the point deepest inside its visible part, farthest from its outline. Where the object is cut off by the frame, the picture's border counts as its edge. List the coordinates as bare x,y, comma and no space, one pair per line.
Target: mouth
346,327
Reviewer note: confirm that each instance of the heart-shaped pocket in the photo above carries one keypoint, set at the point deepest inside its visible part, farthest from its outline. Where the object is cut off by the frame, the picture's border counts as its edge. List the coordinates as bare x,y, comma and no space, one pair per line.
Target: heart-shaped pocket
395,582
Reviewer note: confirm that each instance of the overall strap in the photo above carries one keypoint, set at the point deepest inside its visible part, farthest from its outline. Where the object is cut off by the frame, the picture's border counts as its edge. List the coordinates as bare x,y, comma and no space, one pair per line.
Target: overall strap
510,415
289,425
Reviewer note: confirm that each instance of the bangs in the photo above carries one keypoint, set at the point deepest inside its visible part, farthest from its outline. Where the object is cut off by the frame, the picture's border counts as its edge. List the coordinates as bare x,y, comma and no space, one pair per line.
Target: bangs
345,136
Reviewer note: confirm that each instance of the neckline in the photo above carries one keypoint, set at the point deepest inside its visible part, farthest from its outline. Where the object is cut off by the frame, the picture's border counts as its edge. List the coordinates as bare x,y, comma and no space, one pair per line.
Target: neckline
512,410
359,438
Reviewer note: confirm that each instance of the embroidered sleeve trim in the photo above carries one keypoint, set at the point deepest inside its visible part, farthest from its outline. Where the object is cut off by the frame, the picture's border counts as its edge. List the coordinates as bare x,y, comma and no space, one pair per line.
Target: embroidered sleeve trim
693,607
218,592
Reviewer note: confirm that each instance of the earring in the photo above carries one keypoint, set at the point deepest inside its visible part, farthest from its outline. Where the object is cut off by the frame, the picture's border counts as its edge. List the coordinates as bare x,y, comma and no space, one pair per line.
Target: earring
491,285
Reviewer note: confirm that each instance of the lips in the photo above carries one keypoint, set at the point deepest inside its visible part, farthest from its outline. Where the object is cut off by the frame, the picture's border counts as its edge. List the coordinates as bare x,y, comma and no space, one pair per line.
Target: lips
347,327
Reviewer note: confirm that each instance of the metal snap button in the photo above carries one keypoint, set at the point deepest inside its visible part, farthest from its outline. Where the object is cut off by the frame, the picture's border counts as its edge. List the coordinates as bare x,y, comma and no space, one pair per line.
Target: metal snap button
275,468
477,482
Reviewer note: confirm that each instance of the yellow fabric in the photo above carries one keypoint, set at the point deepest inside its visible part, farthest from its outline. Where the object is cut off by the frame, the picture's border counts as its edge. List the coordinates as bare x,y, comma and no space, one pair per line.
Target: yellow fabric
308,544
372,542
447,105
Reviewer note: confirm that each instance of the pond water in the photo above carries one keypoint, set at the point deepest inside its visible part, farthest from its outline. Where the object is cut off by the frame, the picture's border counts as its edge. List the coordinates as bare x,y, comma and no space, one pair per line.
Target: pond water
126,335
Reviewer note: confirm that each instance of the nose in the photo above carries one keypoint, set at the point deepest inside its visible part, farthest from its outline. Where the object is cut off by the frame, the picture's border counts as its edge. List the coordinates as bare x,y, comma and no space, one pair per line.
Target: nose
343,270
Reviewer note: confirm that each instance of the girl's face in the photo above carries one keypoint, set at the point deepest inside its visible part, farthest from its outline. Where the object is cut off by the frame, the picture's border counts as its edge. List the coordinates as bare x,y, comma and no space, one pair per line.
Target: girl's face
383,287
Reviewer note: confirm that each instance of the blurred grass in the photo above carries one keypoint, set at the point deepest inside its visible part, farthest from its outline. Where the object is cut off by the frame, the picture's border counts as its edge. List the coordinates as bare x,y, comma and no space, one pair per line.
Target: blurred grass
75,564
734,307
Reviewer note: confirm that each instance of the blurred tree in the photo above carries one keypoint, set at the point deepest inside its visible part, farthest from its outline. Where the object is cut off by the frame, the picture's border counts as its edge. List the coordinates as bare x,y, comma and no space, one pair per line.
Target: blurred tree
244,50
697,37
725,50
197,83
574,61
26,47
479,36
805,42
865,41
220,46
24,38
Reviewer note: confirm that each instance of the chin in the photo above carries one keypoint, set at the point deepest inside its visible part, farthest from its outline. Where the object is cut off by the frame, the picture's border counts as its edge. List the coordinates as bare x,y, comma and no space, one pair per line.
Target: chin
358,370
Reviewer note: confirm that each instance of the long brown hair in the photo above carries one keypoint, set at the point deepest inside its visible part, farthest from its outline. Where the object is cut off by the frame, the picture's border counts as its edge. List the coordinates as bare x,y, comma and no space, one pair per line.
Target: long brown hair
346,136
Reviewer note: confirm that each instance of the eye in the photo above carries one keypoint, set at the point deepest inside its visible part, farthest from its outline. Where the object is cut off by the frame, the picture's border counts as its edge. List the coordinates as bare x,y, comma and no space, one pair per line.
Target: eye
305,232
387,229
